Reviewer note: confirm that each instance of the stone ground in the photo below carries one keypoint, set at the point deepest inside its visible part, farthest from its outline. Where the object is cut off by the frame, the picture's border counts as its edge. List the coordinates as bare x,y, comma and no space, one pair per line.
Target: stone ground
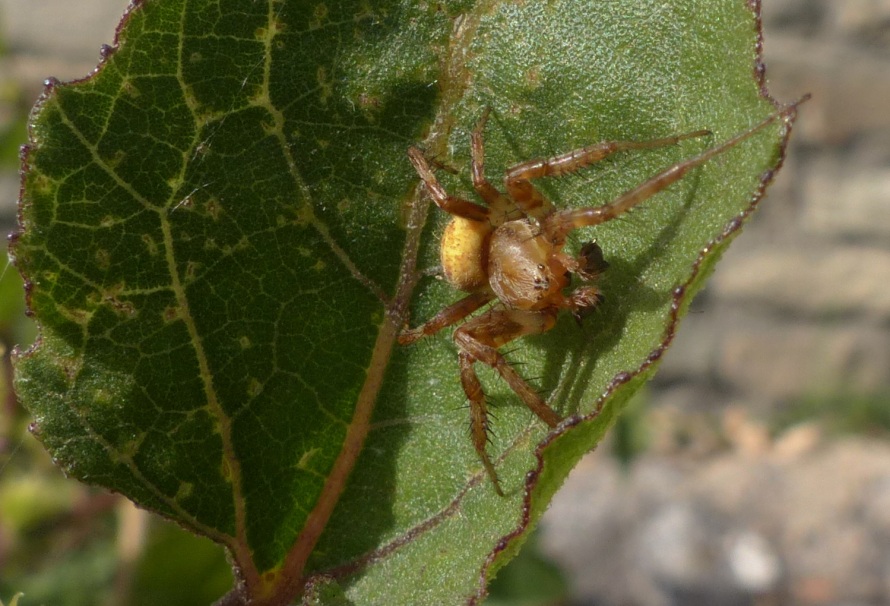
719,510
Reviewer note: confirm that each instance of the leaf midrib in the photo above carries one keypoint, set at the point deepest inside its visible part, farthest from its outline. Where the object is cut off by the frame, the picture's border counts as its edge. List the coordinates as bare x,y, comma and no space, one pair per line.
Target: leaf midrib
454,83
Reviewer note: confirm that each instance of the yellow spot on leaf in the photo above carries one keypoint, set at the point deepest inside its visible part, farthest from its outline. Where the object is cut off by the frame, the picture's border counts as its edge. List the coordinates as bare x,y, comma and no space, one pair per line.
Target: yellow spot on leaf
122,307
113,159
103,259
171,314
320,15
191,270
78,316
269,127
324,84
130,448
40,184
184,491
150,244
367,101
303,463
304,215
101,397
533,77
254,387
129,89
213,208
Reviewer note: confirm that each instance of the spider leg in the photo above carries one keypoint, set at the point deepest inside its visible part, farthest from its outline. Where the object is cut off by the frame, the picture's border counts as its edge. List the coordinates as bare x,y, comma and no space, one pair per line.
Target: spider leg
478,415
528,198
559,224
478,341
452,314
450,204
502,207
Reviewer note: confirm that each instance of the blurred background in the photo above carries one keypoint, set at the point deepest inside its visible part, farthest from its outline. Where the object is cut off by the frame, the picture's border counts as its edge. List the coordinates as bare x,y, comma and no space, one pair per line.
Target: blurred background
754,470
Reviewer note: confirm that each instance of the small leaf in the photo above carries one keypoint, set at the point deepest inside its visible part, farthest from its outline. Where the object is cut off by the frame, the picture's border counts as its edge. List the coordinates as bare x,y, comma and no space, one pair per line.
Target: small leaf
220,229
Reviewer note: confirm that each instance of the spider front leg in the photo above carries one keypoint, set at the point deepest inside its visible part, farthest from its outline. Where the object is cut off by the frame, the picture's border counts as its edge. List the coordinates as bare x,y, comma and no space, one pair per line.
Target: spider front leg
450,204
557,225
502,207
478,341
533,203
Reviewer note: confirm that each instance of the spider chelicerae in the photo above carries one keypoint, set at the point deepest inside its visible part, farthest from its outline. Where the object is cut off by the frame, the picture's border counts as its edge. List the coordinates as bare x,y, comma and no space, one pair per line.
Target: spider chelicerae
510,252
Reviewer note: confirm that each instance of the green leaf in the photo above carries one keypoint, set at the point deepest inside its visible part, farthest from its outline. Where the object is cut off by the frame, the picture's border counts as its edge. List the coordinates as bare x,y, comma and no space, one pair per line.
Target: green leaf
220,230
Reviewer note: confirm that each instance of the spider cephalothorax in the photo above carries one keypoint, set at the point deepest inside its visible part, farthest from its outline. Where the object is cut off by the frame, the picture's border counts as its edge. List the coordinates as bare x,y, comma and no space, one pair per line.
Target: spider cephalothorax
511,252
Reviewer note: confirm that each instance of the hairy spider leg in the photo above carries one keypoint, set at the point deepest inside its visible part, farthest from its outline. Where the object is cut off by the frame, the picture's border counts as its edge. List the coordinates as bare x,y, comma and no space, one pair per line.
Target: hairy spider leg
452,314
478,341
558,225
533,203
478,416
503,209
450,204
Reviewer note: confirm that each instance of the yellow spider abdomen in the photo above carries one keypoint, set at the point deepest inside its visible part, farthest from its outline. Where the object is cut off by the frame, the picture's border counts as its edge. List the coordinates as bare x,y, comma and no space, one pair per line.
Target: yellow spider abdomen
464,253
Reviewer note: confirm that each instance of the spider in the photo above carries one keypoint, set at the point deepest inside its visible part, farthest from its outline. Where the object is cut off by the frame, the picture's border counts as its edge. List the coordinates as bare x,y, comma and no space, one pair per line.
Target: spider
510,252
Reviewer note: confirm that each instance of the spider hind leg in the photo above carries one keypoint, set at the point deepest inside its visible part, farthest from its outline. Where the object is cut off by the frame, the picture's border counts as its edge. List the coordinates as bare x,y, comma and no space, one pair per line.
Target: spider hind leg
479,427
478,341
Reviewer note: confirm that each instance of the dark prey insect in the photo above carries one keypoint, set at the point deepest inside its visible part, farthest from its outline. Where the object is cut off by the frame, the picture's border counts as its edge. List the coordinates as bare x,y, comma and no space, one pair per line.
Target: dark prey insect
511,252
